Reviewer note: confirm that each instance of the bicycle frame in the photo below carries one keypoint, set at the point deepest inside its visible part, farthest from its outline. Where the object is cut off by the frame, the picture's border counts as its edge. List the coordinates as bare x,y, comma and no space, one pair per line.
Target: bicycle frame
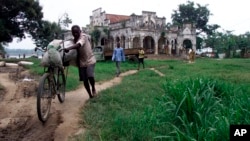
53,78
51,84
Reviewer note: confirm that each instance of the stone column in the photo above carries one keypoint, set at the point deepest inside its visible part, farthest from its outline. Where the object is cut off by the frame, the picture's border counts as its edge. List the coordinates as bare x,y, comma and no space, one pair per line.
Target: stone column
141,41
155,47
194,47
130,42
193,41
170,48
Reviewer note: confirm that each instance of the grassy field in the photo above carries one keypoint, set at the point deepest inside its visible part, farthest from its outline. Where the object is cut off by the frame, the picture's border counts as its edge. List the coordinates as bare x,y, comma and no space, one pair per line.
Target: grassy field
103,71
195,101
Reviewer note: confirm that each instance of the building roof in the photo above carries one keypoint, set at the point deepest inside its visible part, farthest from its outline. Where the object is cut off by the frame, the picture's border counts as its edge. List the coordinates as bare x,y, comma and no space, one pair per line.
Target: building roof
116,18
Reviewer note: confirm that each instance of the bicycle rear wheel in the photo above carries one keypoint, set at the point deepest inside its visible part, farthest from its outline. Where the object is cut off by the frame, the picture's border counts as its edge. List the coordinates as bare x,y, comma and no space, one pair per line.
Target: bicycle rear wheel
61,83
44,97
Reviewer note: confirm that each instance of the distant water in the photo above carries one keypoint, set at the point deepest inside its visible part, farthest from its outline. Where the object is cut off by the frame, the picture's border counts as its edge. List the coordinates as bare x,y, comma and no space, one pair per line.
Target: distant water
19,53
21,56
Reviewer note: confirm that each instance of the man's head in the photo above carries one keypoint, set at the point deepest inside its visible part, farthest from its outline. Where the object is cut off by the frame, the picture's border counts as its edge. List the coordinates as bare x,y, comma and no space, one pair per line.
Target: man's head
76,31
118,44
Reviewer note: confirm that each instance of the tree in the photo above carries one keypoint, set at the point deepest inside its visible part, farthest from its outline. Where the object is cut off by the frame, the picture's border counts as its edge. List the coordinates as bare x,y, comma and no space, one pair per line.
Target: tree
51,30
106,31
243,43
223,42
18,17
95,35
168,25
194,14
199,42
46,33
64,21
2,49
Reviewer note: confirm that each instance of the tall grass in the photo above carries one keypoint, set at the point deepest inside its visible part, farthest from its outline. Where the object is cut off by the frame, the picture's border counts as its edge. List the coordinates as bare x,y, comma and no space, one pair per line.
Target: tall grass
204,108
192,102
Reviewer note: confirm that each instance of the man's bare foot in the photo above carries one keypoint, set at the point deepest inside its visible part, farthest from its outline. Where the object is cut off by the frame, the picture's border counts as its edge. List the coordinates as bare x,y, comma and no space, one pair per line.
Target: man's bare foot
94,94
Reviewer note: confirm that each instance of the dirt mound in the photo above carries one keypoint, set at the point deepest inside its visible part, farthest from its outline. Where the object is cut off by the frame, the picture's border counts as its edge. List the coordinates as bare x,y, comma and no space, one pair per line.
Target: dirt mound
9,69
27,127
18,118
26,89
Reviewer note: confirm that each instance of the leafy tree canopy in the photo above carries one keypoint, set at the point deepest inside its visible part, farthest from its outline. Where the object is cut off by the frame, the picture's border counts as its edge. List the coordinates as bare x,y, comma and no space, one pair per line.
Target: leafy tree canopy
1,49
51,30
95,35
64,21
18,17
195,14
226,41
46,33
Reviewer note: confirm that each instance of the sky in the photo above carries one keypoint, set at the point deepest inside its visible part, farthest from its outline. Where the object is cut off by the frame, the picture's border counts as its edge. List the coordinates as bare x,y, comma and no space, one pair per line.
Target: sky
229,14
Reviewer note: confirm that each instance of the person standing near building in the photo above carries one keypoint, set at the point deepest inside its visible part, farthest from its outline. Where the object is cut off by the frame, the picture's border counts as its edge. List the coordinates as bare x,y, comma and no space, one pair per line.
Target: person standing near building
191,54
118,56
85,59
141,57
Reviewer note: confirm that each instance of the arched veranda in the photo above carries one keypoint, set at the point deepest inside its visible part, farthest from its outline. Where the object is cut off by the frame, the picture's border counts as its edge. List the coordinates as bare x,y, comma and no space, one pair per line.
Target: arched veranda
149,44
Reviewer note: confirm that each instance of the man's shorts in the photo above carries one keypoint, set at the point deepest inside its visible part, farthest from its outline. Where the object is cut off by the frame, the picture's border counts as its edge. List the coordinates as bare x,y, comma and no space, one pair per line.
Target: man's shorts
85,72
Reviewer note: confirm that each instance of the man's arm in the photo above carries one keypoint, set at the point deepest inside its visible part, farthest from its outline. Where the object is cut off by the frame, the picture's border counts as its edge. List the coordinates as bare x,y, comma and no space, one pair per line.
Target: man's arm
114,54
75,46
123,55
79,43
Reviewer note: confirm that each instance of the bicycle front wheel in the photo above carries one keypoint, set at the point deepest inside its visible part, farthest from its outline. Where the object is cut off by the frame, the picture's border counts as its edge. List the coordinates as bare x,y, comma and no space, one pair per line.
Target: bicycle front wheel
61,84
44,97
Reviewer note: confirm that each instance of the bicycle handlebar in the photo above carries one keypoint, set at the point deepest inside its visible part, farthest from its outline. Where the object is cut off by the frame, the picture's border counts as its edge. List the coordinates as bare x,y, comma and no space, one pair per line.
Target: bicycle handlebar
39,48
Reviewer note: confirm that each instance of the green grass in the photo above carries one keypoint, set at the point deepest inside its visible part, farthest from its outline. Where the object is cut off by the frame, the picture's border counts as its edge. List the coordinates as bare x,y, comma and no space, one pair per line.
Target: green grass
204,108
103,71
195,101
191,102
119,118
106,70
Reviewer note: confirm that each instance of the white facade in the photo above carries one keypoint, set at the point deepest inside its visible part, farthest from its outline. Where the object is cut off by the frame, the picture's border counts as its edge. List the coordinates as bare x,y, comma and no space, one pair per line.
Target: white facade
145,30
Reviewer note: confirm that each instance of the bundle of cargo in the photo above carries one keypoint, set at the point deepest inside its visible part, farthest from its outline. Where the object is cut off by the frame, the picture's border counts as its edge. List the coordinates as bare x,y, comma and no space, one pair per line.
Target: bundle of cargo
69,58
54,56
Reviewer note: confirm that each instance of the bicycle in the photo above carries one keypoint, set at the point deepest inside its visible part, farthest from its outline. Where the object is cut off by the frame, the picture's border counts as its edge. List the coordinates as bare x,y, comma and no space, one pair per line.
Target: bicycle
52,83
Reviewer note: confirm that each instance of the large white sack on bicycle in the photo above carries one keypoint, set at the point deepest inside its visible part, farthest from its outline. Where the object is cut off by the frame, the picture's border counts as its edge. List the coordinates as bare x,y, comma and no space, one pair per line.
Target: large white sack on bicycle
52,55
71,56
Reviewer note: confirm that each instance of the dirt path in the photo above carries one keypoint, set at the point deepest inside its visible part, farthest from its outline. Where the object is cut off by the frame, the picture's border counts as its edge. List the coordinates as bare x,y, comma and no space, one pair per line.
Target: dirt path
158,72
18,118
75,100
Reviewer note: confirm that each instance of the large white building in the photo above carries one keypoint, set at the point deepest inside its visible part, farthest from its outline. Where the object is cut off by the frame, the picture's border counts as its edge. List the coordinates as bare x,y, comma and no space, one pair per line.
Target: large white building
146,30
